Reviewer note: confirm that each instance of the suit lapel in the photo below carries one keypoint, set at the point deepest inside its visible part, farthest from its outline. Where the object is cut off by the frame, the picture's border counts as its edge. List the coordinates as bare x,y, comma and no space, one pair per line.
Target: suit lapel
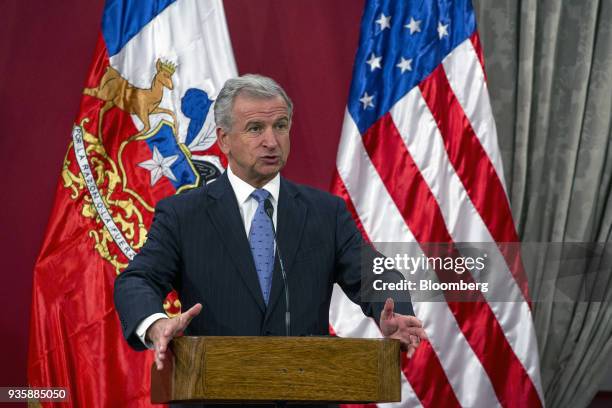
225,216
291,218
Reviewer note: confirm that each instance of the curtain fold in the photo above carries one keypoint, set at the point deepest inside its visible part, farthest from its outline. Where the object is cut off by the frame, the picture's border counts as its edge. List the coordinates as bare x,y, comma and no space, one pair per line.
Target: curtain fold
549,67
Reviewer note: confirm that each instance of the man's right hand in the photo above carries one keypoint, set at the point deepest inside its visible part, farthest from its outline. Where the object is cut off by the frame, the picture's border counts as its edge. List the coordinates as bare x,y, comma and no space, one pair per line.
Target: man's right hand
163,330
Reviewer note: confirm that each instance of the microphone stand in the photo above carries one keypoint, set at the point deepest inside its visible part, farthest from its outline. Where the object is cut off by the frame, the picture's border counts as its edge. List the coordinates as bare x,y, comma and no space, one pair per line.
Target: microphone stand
270,211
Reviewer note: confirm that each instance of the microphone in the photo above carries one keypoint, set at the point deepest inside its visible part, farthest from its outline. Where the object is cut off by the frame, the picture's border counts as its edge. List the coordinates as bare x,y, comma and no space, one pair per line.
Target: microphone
270,211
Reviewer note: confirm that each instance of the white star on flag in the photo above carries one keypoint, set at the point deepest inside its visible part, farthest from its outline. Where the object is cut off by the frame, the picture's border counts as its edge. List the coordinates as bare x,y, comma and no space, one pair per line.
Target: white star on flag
414,26
374,62
442,30
405,65
159,166
384,22
367,101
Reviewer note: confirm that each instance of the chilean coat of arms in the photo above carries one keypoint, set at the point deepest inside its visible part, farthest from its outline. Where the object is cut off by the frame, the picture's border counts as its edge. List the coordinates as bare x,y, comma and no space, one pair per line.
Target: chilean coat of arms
131,147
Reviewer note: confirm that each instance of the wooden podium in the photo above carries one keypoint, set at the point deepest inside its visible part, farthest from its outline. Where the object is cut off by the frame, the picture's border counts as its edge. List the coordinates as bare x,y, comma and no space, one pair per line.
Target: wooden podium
279,369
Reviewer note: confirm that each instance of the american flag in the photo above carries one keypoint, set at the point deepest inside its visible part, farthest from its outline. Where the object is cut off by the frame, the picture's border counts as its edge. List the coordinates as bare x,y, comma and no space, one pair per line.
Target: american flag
418,161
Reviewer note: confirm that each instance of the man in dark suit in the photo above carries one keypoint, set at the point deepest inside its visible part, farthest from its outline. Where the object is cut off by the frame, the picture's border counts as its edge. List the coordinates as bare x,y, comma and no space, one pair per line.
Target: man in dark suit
215,245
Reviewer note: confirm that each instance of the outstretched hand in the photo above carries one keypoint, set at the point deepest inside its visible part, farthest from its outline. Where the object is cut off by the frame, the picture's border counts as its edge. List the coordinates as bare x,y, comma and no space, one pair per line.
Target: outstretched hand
163,330
407,329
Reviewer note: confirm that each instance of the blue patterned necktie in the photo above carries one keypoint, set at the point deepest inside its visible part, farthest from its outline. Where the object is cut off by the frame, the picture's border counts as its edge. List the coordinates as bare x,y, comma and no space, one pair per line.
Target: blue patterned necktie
261,239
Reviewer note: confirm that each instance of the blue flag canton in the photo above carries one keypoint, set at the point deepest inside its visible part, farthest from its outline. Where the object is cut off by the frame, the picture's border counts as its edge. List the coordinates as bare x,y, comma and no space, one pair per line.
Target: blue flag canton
400,44
123,19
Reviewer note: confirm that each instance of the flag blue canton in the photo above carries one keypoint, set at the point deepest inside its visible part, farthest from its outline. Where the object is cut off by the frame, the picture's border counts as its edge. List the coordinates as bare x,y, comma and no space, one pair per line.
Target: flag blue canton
123,19
400,44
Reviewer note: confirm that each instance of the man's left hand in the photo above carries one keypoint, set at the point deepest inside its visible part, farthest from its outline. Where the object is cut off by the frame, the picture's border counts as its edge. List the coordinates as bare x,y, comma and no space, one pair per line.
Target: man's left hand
407,329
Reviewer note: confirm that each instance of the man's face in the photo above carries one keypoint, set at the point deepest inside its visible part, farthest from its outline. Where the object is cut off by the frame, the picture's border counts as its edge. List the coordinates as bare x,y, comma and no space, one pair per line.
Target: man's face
257,146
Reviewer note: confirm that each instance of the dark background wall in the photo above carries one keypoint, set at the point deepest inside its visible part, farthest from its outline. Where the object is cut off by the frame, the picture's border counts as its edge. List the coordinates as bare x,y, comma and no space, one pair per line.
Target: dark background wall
45,51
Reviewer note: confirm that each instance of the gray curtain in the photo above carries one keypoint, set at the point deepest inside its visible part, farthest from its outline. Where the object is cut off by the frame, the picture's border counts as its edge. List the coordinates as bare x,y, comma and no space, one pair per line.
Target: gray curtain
549,66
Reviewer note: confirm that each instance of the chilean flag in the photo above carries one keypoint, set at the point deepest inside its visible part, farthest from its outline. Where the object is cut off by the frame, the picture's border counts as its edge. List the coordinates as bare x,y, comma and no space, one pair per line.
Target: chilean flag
144,131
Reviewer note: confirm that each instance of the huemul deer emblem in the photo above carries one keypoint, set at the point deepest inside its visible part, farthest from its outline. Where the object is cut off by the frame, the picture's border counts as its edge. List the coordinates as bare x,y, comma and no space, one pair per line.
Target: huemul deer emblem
117,91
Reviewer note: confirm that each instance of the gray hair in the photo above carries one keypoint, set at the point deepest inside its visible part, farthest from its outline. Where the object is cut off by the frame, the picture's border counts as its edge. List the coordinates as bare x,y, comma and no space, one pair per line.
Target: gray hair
253,85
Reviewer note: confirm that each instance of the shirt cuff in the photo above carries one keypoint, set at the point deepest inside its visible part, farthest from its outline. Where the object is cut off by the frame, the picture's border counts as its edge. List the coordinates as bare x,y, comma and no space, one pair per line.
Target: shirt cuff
141,330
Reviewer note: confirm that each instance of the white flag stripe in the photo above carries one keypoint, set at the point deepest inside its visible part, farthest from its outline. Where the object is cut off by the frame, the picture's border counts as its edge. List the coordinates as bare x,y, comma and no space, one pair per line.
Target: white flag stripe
464,371
368,193
346,318
467,80
455,355
422,139
524,343
415,123
191,34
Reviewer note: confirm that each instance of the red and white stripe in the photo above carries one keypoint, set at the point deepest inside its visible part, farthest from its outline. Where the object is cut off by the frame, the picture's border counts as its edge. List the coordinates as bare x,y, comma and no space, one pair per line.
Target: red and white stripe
430,170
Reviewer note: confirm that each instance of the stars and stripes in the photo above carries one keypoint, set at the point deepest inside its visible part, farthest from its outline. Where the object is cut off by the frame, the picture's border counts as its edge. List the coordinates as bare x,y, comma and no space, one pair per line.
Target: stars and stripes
418,161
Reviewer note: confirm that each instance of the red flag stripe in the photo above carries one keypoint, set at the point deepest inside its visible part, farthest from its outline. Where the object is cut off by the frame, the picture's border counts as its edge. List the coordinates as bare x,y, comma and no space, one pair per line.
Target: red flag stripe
369,195
464,69
464,73
471,163
371,199
443,389
466,78
424,366
415,124
421,370
424,218
475,39
347,314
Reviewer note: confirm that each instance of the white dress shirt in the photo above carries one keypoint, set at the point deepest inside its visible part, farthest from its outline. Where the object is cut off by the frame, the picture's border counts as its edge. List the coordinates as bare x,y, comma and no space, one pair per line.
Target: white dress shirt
247,206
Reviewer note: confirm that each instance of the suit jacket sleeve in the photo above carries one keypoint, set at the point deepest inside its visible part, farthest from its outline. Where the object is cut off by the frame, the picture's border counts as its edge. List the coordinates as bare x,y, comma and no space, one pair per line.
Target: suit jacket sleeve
351,253
150,276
